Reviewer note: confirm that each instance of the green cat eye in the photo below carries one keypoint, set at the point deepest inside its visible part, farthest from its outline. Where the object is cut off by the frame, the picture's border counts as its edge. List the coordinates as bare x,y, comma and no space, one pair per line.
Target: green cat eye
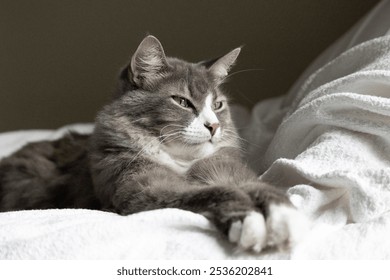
217,105
182,101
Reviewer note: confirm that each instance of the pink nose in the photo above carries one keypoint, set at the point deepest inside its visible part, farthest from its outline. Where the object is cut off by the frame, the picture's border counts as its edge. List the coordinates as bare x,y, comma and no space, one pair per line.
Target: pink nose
212,128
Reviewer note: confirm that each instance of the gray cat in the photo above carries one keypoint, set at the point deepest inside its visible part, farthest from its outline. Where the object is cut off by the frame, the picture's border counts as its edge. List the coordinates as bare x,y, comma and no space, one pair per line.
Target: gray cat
166,141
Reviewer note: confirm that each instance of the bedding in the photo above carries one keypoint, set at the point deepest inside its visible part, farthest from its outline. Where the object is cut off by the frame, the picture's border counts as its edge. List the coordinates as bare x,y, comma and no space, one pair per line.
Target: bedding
326,143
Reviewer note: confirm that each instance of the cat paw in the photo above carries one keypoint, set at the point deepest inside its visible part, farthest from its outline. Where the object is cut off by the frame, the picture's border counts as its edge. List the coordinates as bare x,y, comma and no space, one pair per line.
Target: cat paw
284,228
250,233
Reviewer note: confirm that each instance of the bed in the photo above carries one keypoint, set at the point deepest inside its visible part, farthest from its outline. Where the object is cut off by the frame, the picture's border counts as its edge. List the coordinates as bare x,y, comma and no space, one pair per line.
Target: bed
326,143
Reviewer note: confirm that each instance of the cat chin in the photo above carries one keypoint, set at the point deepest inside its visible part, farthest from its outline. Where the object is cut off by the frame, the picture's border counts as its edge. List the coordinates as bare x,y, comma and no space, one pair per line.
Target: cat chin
207,149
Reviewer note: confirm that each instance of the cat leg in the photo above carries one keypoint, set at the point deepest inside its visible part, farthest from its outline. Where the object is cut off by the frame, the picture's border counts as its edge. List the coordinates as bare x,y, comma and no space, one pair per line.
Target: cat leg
283,226
226,207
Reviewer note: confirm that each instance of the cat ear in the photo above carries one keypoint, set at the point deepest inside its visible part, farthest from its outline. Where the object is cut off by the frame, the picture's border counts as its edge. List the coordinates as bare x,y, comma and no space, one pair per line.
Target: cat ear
148,62
220,67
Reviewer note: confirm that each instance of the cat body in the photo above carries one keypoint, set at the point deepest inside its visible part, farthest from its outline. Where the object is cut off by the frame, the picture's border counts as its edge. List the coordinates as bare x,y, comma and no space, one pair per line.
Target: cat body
48,174
166,140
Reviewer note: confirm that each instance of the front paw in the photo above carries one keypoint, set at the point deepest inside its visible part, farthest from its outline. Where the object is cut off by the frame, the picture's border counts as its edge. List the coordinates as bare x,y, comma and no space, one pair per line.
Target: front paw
283,228
286,226
250,233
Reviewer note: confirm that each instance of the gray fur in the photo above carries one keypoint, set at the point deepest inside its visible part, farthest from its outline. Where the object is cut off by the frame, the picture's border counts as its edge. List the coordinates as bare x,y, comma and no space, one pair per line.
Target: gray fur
121,167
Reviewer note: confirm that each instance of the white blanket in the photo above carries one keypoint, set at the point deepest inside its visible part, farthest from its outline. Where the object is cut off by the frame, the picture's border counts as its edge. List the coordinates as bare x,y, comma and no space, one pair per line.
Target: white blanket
331,153
327,143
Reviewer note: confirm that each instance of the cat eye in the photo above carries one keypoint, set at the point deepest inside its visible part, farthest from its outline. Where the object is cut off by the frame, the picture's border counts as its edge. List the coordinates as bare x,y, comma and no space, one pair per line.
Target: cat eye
217,105
183,102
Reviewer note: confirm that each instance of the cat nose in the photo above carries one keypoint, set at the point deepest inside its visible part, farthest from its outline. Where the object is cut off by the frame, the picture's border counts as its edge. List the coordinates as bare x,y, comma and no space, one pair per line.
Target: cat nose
212,127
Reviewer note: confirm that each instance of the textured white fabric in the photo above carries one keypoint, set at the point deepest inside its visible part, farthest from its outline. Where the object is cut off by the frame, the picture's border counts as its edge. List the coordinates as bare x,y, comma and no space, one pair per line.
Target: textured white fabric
327,143
86,234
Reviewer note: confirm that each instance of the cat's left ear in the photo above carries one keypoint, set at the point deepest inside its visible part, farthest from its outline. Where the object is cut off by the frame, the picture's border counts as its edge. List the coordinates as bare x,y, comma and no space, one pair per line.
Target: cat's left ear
148,62
220,67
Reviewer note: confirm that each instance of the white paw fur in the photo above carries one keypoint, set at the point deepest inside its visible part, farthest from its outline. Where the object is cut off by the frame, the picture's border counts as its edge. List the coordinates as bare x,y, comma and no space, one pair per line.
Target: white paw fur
284,228
251,234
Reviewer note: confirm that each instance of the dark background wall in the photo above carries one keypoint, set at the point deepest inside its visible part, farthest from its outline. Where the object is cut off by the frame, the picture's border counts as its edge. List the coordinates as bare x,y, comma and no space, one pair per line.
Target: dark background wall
59,59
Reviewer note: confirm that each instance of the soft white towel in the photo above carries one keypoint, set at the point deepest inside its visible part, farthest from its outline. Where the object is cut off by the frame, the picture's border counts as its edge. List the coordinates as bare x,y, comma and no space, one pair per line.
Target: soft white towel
328,145
86,234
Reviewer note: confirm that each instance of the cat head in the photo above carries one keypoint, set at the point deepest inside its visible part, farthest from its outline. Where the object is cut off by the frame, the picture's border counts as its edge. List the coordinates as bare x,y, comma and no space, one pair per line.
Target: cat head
177,101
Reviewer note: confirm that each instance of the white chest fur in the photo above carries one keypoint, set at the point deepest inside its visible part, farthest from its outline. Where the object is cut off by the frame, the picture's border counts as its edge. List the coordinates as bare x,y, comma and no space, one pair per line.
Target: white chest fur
177,165
180,159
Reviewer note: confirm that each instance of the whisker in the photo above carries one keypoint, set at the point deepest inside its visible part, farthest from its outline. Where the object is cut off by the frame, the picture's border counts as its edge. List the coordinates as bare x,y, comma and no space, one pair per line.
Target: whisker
241,71
140,152
147,146
170,140
233,133
234,136
174,125
170,134
237,146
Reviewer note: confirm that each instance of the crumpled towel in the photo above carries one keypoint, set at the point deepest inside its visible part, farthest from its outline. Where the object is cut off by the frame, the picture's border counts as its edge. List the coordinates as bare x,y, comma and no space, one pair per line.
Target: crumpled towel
328,146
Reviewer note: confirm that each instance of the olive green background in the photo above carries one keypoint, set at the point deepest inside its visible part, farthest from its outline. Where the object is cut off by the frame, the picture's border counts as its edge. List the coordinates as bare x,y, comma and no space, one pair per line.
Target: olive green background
59,59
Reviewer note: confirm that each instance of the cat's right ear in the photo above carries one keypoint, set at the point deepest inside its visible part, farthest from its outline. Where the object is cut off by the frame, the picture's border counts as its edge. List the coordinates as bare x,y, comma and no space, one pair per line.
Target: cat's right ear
220,67
148,63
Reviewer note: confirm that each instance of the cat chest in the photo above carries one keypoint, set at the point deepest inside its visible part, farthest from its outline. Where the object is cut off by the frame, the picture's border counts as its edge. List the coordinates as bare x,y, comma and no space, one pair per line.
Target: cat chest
178,165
